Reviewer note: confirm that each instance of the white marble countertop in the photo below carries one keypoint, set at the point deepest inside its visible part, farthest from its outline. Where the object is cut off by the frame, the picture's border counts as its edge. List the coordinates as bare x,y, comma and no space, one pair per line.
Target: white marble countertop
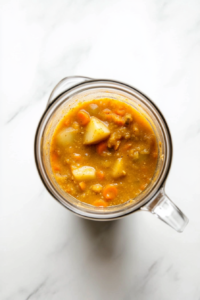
47,252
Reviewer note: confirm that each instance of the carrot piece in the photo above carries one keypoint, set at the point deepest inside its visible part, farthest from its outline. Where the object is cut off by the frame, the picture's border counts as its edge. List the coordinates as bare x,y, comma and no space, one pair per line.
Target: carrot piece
127,146
82,185
100,203
108,114
109,117
107,111
83,117
76,156
100,174
56,167
120,111
110,191
67,122
118,120
113,117
101,147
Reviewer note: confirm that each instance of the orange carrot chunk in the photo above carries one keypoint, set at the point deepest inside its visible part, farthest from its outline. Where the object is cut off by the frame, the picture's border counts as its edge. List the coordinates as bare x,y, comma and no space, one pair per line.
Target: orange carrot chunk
107,111
108,114
127,146
118,120
120,111
76,156
110,192
101,147
56,167
109,117
67,122
100,203
83,117
82,185
100,174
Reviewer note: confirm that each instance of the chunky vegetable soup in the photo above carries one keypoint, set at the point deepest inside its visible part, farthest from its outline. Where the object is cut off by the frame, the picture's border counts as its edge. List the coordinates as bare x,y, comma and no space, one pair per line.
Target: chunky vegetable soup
103,152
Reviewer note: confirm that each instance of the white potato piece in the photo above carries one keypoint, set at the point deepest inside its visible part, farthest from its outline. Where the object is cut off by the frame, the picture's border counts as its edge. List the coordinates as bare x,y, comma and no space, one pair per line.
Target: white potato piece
96,131
118,169
97,188
84,173
66,136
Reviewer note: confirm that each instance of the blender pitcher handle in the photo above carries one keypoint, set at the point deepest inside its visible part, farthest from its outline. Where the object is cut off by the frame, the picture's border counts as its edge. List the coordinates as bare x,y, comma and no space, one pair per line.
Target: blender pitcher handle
167,211
65,84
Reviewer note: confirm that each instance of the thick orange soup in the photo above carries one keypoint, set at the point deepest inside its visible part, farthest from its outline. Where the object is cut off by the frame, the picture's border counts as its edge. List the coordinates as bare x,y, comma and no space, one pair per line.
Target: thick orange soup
103,152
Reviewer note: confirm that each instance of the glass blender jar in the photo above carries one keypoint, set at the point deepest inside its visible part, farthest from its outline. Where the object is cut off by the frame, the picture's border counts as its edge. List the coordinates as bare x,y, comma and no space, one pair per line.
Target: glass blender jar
67,94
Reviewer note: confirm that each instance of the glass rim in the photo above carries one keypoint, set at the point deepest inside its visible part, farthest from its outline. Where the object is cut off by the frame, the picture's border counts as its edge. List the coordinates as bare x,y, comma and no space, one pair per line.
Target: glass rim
85,86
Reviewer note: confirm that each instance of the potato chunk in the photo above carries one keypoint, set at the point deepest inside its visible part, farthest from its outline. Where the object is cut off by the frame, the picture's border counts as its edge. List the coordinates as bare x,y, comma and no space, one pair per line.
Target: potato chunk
66,136
97,188
84,173
95,132
118,169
